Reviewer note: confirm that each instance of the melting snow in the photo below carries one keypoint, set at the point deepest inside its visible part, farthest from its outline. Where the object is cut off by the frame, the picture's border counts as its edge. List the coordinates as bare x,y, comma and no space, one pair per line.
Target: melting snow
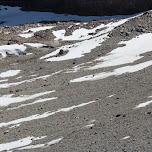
127,54
78,50
12,49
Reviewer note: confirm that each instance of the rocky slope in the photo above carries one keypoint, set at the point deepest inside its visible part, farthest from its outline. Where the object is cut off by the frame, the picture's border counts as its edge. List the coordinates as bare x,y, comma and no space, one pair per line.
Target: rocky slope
77,86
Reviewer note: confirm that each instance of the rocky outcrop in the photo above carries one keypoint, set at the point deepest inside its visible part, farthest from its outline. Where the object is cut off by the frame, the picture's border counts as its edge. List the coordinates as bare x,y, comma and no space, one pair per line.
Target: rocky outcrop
83,7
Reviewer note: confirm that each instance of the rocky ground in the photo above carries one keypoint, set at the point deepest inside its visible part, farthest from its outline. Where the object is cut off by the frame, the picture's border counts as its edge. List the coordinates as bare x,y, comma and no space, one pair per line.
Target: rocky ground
47,111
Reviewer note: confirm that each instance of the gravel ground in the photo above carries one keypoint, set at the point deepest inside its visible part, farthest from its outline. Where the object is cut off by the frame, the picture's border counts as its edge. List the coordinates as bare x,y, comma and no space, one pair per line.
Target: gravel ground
97,127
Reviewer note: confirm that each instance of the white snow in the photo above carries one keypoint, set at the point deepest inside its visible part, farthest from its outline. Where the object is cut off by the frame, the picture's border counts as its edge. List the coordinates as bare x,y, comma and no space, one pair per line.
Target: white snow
127,137
7,85
12,49
111,96
78,50
35,102
9,99
3,80
143,104
37,45
127,54
15,126
79,34
54,141
9,73
26,33
89,126
42,145
116,72
120,56
44,115
19,143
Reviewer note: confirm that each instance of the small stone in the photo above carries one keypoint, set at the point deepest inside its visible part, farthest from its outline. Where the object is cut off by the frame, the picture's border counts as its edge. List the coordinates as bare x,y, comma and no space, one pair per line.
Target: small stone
61,52
121,31
6,132
118,115
148,113
127,33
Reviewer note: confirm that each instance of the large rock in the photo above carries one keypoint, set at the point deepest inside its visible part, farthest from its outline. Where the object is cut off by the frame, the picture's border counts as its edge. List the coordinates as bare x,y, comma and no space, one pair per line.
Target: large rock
83,7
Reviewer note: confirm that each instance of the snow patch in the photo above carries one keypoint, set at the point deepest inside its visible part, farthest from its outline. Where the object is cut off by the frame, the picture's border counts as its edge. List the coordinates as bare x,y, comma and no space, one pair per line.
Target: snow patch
127,54
19,143
42,145
9,73
37,45
12,49
44,115
116,72
78,50
143,104
35,102
8,99
127,137
26,33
